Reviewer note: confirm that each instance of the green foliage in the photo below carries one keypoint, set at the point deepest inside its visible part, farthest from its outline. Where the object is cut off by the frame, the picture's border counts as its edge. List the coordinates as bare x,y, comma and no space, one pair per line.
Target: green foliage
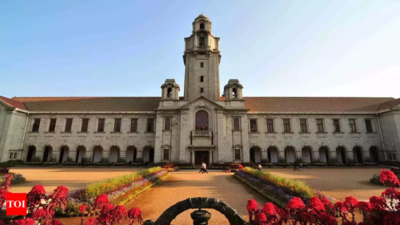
36,159
298,186
16,179
282,160
11,163
96,188
104,160
121,160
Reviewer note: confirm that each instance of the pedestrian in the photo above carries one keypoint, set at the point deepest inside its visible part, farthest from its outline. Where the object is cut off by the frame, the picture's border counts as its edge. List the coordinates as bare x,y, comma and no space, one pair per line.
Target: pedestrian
204,168
301,166
259,167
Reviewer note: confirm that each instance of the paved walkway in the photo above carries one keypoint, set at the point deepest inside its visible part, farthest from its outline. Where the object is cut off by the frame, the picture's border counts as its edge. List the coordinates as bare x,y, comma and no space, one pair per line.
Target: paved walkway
71,177
187,184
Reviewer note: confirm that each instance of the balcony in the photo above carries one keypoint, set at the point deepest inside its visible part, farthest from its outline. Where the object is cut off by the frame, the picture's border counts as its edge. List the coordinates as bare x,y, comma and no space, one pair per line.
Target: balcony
202,133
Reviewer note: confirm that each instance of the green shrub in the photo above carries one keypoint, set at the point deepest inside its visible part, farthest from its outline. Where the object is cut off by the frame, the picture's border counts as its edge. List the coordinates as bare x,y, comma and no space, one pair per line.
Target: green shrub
104,160
121,160
36,159
11,163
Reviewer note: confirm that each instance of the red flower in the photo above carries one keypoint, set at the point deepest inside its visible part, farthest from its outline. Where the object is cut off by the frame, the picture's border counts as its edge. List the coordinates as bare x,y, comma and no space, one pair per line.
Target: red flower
392,218
350,202
261,218
91,221
252,205
82,208
364,206
390,193
387,177
38,189
327,219
295,204
35,195
54,222
60,194
135,213
117,213
306,217
377,203
100,201
23,222
316,204
269,209
40,213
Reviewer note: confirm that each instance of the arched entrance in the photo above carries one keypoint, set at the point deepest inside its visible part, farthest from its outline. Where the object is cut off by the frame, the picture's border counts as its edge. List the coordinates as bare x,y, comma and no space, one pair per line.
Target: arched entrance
290,154
306,154
114,154
64,151
357,154
148,154
31,153
48,150
341,155
373,153
255,154
97,154
80,153
324,154
131,154
272,153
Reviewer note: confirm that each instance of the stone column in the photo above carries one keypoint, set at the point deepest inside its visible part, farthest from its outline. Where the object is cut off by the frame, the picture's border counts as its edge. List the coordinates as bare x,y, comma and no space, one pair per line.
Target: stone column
315,156
281,154
184,137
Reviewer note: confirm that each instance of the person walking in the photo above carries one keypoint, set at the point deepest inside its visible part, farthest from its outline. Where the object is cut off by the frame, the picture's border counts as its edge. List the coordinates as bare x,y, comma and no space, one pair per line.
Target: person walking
204,168
301,166
259,167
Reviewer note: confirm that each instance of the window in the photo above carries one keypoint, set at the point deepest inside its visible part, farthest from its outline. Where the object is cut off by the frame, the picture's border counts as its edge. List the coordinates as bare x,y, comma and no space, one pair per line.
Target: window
201,78
36,125
202,26
201,90
68,125
202,41
167,123
52,126
303,126
201,120
353,126
236,123
169,92
11,155
336,126
253,125
150,125
117,125
270,126
100,125
234,93
166,154
286,125
134,125
320,126
15,155
394,156
237,154
201,65
368,125
85,124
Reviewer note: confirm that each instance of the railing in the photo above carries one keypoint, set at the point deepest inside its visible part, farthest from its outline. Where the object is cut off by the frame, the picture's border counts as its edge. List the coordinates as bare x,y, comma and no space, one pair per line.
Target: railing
202,133
200,217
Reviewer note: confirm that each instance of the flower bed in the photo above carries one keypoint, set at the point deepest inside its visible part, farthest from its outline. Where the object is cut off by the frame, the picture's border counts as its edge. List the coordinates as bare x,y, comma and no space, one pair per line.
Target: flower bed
17,178
278,189
118,190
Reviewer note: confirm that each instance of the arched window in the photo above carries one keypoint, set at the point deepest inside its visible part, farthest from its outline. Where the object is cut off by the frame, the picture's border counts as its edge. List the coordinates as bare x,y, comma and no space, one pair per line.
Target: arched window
169,92
202,26
202,120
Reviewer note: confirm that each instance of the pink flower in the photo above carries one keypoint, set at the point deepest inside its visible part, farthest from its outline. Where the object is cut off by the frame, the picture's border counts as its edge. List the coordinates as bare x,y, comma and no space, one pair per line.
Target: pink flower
387,177
23,222
117,213
364,206
252,205
135,213
350,202
269,209
54,222
327,219
91,221
316,204
82,208
377,203
40,213
101,200
339,206
60,193
260,218
295,204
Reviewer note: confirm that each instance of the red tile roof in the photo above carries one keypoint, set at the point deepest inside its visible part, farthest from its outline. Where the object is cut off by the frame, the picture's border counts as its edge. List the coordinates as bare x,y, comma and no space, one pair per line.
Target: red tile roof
12,103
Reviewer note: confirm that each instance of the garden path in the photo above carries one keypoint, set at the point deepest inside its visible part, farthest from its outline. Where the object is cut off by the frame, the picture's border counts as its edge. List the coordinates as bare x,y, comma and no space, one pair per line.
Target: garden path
185,184
73,178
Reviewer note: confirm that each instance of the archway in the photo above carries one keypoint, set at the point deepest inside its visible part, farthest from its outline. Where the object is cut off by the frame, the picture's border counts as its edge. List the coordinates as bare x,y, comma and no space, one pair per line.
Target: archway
48,151
290,154
202,120
131,154
341,155
114,154
255,154
148,154
31,153
272,153
80,153
324,154
306,154
64,152
97,153
357,154
373,153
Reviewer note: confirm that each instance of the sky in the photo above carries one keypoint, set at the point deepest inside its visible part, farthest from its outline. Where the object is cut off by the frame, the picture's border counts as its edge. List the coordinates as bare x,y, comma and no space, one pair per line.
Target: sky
129,47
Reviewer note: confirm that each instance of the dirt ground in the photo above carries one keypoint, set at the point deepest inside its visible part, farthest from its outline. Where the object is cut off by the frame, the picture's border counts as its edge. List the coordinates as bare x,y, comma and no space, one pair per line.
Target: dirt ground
337,183
71,177
188,184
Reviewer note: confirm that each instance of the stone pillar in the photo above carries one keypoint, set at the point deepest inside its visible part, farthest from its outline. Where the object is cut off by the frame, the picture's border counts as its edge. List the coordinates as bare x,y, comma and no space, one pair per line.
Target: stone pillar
281,155
264,155
139,155
349,155
184,139
315,156
221,148
332,155
122,153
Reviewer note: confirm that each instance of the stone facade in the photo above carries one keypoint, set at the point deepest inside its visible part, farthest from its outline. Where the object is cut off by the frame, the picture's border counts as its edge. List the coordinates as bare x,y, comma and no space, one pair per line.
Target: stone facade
202,126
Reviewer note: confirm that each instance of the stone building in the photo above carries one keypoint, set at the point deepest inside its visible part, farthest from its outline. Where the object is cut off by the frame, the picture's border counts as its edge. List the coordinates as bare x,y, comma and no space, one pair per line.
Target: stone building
202,126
